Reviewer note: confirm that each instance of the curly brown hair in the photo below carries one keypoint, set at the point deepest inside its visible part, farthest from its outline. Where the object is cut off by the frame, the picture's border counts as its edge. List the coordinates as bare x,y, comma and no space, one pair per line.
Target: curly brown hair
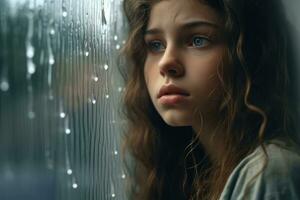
258,103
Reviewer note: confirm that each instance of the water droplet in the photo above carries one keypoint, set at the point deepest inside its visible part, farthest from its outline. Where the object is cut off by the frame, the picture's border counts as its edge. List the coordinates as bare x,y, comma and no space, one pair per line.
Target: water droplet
123,176
4,86
30,67
64,13
92,100
116,152
67,131
31,115
96,78
69,171
117,46
107,96
113,195
106,67
87,53
120,89
115,37
74,185
30,51
62,115
51,60
52,31
124,41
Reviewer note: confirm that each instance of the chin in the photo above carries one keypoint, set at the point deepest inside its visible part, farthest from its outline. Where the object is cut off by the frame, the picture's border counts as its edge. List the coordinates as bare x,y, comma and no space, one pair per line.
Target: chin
176,120
175,124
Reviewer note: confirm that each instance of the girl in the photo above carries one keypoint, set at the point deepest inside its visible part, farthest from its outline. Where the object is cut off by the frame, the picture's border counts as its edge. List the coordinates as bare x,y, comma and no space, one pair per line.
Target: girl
210,100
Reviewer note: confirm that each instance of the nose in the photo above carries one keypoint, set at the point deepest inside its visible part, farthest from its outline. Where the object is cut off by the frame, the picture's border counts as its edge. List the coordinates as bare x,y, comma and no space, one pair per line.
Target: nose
170,64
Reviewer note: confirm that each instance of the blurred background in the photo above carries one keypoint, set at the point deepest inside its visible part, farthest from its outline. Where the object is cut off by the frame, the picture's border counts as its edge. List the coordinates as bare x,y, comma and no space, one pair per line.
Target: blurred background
60,88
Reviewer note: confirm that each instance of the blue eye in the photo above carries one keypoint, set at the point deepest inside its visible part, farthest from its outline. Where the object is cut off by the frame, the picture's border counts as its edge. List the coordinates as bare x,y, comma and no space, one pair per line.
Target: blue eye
155,46
199,41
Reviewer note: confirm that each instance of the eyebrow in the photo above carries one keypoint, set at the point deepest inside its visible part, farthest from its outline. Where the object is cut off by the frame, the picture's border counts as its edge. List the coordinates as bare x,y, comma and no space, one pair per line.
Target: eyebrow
188,25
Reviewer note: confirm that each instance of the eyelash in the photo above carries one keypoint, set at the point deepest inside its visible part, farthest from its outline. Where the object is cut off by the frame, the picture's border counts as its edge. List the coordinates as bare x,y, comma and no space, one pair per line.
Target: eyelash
151,42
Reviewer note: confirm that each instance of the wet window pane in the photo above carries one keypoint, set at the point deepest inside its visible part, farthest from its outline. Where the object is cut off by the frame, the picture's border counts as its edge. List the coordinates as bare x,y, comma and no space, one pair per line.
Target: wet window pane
60,91
59,99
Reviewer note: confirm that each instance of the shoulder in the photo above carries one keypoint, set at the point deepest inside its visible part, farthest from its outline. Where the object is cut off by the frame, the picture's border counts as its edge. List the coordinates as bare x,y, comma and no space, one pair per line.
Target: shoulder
279,179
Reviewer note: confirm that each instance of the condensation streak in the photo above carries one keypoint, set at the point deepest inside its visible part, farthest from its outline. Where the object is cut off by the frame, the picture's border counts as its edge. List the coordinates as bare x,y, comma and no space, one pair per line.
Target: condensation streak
59,99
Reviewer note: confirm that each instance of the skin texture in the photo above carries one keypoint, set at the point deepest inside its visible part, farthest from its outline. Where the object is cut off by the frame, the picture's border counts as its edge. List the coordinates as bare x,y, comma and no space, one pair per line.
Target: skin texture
184,57
188,58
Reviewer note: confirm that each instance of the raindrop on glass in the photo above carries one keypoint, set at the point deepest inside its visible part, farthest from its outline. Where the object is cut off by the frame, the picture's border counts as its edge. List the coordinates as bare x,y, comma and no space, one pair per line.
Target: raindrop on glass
123,42
62,115
30,51
123,176
31,115
96,78
67,131
69,171
87,53
92,100
117,46
106,67
113,195
120,89
64,13
115,37
4,86
74,185
30,67
52,31
107,96
51,60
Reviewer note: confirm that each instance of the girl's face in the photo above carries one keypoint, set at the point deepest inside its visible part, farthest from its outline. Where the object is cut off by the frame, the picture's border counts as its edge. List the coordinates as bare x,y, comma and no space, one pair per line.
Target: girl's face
184,48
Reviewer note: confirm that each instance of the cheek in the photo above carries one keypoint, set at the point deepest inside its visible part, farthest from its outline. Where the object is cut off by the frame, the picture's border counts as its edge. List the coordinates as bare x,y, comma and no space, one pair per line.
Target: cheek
146,70
204,74
146,75
207,65
149,75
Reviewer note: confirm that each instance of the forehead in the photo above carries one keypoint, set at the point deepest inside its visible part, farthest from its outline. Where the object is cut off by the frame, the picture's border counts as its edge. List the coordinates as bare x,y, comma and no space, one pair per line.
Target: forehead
176,12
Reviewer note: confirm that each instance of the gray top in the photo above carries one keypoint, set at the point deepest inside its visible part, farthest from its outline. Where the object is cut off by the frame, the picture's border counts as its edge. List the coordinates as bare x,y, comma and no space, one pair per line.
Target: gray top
279,180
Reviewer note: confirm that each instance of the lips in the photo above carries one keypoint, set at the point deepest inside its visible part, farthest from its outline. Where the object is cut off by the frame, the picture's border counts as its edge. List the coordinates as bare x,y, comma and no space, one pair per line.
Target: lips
171,90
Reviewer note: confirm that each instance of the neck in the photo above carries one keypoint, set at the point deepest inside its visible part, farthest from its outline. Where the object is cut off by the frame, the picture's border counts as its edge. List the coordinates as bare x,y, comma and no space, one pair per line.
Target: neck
211,138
